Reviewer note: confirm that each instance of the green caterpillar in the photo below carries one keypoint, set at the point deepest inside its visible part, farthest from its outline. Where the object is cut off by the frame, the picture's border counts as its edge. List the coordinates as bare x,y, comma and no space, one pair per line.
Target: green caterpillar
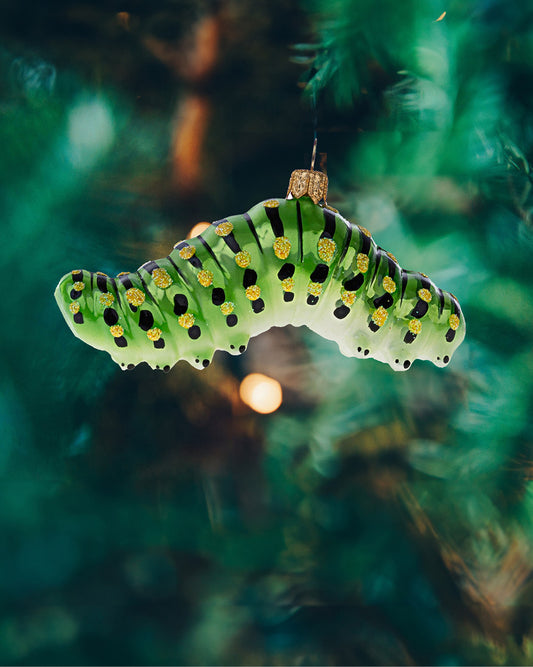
286,261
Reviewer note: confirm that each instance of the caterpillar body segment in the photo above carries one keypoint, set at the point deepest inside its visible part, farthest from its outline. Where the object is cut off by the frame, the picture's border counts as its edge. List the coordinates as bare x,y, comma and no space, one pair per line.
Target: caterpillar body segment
286,261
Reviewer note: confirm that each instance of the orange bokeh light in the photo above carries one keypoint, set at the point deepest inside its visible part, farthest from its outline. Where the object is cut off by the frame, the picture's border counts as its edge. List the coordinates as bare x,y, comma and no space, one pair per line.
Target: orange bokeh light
197,229
262,393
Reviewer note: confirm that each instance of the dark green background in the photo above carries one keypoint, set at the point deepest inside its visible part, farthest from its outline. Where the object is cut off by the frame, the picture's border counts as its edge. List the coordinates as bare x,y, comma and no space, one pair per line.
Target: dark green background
377,517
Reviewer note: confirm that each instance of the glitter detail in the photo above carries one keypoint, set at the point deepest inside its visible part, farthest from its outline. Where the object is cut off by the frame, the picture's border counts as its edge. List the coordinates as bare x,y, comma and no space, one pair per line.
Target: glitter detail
282,247
314,288
389,285
362,262
224,228
253,292
287,285
454,322
227,308
75,271
347,297
122,273
186,321
326,249
379,316
79,286
161,278
135,296
415,326
187,252
243,259
107,299
271,203
205,278
154,334
389,254
365,231
424,294
423,274
116,331
74,307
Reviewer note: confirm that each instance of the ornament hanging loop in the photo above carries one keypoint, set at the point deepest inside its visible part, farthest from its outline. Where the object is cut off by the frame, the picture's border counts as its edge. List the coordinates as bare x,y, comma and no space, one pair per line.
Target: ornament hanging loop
308,182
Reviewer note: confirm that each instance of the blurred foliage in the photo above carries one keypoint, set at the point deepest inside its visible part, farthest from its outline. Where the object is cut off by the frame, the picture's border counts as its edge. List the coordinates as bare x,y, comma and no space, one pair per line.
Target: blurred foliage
377,517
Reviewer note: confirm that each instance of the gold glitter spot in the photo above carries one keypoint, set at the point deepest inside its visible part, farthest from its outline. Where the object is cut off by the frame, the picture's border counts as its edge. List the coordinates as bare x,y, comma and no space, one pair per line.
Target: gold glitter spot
314,288
154,334
347,297
227,308
379,316
365,231
74,307
243,258
135,296
122,273
287,285
389,285
362,262
423,274
415,326
424,294
76,271
326,249
187,252
161,278
186,321
224,228
271,203
205,278
106,299
282,247
116,331
454,322
389,254
253,292
79,286
101,273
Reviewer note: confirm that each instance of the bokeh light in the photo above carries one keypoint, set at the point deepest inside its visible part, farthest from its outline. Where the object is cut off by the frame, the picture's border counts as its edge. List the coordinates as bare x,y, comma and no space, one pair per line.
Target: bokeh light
197,229
262,393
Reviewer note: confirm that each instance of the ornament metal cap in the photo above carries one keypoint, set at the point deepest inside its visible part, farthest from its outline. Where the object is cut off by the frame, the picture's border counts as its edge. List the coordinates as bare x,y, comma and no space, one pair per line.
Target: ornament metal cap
310,183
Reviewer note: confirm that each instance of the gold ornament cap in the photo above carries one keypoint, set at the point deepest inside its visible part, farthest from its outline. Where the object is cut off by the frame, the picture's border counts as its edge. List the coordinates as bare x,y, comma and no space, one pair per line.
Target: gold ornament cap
310,183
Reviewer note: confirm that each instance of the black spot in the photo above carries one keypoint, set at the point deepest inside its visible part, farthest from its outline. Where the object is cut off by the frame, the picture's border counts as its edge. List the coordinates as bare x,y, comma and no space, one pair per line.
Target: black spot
74,294
386,301
312,300
341,312
157,365
159,344
320,273
286,271
409,337
217,296
101,283
420,309
231,320
180,304
78,318
450,335
446,359
77,276
232,347
406,364
258,305
122,364
366,353
126,281
249,278
438,358
359,349
242,348
354,283
288,296
146,320
194,332
195,261
110,316
373,326
166,369
131,367
133,308
396,361
205,363
197,361
121,342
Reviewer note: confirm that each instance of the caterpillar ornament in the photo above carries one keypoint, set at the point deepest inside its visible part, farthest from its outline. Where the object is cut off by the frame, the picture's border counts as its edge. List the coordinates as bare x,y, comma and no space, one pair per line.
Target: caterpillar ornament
286,261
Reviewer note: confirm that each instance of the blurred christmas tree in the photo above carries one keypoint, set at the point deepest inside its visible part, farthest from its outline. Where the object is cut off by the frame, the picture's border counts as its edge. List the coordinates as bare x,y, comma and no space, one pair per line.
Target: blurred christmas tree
376,518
